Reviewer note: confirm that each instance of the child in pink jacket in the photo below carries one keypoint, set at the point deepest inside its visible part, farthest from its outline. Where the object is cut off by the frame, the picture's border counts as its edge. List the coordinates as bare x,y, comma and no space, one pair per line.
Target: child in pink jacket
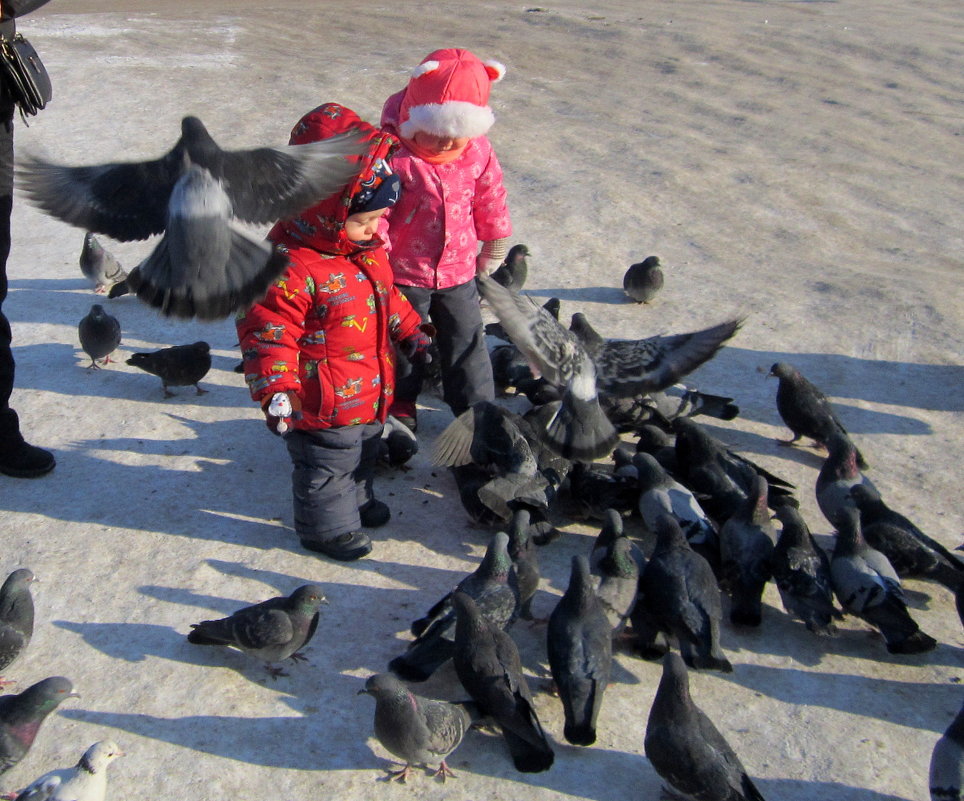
452,202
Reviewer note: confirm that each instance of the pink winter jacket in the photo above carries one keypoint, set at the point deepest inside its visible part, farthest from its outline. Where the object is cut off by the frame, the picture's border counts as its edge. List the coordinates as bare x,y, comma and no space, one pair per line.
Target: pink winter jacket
445,210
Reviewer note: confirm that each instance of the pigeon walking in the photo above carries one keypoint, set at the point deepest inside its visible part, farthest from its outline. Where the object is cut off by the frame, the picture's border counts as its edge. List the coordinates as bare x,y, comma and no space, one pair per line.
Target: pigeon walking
679,595
512,273
85,781
177,366
806,410
488,665
273,630
746,548
580,650
100,334
947,762
801,570
16,618
22,715
643,280
205,265
493,588
99,265
867,586
686,749
415,729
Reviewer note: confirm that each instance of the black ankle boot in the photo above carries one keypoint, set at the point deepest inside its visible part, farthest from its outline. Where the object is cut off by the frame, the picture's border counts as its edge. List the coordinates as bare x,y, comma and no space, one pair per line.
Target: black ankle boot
23,460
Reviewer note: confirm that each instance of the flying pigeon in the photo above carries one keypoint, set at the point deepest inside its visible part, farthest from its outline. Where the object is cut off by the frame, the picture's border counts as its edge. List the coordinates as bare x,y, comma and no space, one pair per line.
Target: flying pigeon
686,749
838,475
678,594
578,428
643,280
21,716
488,665
746,547
273,630
512,273
99,265
801,571
16,618
492,586
177,366
580,650
947,762
417,730
100,334
205,265
805,409
85,781
867,586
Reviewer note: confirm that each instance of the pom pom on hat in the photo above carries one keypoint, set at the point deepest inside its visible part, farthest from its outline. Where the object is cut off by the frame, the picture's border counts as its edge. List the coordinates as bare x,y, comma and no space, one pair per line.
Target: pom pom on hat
448,95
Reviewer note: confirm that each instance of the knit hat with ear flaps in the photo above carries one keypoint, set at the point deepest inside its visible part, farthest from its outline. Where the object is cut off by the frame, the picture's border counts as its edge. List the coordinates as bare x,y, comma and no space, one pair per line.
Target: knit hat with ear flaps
448,95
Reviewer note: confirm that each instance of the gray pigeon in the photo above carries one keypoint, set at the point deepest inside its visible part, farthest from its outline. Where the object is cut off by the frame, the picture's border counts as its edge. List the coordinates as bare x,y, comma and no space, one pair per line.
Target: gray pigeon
273,630
806,410
617,562
947,762
801,571
580,650
177,366
488,665
746,548
492,586
417,730
525,560
205,265
867,587
21,716
16,618
512,273
85,781
838,475
100,334
643,280
687,750
678,594
99,265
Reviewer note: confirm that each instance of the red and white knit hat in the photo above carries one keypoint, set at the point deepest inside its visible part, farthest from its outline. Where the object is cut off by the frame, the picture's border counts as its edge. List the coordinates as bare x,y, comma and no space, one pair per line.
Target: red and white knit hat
448,95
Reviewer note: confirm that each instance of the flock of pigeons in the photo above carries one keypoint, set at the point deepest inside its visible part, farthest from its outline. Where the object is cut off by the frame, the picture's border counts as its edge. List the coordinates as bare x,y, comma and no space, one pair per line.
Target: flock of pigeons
705,508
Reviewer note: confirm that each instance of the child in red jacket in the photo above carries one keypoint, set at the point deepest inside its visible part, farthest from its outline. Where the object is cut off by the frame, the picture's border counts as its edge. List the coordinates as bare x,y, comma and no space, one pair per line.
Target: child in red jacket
318,351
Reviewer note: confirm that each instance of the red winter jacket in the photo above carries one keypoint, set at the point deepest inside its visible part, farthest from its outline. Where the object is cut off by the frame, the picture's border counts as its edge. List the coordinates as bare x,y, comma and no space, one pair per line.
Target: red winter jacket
324,330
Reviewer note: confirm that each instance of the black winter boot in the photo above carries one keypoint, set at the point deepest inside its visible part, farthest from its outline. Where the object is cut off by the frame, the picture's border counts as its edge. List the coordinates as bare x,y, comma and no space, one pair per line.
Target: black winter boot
19,458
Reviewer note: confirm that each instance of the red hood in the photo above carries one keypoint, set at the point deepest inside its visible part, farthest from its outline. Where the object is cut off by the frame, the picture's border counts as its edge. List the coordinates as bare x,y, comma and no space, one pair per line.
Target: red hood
322,227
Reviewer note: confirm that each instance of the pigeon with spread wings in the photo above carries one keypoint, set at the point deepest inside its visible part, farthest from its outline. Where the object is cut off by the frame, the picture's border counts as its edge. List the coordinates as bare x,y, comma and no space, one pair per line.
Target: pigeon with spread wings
205,264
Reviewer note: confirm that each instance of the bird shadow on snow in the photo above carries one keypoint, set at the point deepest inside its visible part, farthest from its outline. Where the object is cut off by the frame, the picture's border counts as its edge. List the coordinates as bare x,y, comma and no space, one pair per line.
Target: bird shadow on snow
806,791
586,294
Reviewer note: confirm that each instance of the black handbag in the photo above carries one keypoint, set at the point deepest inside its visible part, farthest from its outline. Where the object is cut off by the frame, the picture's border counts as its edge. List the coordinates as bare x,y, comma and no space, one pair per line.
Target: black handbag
24,75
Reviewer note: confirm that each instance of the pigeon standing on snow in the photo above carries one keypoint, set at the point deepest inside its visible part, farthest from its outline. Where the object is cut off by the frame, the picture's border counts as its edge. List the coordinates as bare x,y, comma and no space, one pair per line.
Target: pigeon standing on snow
417,730
580,650
273,630
488,665
99,265
678,594
512,273
492,586
525,560
686,749
746,547
801,570
838,475
85,781
947,762
205,265
100,334
643,280
617,562
16,617
867,586
177,366
805,409
21,716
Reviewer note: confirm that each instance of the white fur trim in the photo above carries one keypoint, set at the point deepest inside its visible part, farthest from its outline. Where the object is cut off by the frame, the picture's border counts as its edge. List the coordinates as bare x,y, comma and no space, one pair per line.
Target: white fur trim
454,118
499,68
421,69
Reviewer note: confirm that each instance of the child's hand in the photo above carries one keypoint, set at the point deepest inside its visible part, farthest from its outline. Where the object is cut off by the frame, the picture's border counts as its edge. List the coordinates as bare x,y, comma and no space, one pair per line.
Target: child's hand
278,409
415,347
485,265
